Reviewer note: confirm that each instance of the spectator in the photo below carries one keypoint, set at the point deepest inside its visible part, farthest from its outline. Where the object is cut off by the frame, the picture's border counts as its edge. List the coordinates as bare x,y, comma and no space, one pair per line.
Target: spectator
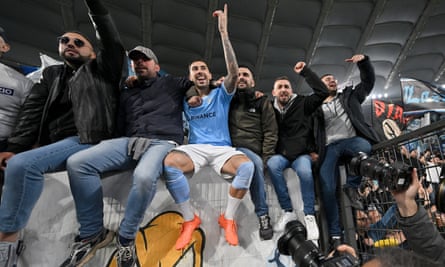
70,109
421,234
254,131
210,145
14,87
150,130
296,146
341,132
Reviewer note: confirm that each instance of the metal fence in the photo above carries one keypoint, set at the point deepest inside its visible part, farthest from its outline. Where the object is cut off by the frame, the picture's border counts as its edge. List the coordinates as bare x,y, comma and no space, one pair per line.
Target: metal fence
375,226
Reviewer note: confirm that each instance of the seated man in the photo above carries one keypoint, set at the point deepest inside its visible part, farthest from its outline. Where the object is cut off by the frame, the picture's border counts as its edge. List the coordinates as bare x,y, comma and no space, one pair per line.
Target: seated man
209,145
295,147
149,132
70,109
254,131
341,132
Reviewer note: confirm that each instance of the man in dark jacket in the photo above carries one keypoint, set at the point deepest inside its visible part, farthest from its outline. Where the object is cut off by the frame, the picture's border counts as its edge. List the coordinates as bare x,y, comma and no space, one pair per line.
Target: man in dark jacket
70,109
150,119
341,131
254,131
421,234
296,146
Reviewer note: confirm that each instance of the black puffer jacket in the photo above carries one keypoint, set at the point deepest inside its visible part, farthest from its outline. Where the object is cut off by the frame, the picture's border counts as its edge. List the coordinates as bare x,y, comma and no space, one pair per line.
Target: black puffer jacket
93,91
153,108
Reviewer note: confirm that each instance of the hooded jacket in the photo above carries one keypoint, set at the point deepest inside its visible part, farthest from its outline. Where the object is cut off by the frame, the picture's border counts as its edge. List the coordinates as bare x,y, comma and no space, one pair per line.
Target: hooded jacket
295,136
351,99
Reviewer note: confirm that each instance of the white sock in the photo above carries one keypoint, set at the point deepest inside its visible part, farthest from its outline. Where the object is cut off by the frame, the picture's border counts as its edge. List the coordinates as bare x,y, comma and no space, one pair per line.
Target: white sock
232,206
187,211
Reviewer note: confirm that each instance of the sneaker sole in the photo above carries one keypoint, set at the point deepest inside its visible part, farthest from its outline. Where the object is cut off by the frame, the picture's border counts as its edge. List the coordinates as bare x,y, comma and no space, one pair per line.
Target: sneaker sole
108,238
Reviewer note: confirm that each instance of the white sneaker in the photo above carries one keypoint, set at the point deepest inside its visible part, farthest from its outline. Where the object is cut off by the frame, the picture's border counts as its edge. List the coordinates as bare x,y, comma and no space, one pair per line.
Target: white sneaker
285,218
311,227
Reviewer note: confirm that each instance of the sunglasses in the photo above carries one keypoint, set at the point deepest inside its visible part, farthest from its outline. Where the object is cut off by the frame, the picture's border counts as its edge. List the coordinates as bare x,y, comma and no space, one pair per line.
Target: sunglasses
65,40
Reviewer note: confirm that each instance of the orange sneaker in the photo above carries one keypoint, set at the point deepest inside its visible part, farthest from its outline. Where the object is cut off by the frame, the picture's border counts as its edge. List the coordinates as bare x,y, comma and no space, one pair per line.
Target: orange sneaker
230,230
186,232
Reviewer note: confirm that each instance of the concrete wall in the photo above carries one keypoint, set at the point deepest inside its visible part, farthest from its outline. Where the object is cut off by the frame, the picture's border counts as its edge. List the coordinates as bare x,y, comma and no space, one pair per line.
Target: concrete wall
53,224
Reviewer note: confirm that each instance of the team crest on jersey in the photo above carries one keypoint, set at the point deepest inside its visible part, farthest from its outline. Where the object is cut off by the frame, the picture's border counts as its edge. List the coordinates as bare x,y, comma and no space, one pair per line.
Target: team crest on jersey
155,244
6,91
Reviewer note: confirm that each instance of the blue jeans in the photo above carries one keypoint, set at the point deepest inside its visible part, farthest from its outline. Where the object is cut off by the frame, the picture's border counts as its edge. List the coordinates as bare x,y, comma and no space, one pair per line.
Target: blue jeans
257,191
329,174
24,180
84,171
302,165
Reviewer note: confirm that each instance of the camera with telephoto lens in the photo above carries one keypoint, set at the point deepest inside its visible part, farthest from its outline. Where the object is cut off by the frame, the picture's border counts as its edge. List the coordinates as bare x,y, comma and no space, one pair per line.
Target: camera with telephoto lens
304,252
396,176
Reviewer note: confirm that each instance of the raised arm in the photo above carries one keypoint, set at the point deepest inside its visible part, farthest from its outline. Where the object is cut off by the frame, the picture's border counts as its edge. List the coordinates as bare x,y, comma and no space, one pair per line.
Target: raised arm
313,101
229,53
111,56
367,75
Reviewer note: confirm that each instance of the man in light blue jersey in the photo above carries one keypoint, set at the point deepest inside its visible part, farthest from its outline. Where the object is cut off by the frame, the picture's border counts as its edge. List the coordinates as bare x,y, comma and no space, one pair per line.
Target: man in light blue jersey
209,144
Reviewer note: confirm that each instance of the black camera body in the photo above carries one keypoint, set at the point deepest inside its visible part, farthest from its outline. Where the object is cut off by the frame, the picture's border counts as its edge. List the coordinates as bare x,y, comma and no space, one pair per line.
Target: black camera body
305,254
396,177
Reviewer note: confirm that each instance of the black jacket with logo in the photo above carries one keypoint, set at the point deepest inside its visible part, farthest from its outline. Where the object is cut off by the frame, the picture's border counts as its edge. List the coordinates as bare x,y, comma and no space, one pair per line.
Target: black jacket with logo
252,123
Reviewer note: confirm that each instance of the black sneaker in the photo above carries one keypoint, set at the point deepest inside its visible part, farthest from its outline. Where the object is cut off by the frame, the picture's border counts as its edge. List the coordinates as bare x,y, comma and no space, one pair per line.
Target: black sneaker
266,231
83,250
354,197
126,255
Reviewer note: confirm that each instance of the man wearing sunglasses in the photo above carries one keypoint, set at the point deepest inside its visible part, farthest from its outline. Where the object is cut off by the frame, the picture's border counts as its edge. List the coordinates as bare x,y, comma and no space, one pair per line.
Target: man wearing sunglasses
70,109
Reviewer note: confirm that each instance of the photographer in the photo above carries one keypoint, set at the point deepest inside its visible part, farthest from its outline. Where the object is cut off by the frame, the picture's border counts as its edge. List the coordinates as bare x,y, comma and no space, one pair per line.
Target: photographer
421,234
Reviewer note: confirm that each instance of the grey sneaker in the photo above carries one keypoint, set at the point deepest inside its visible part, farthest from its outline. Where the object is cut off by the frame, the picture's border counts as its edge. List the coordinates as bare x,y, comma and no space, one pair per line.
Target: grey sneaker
266,231
126,255
83,250
9,253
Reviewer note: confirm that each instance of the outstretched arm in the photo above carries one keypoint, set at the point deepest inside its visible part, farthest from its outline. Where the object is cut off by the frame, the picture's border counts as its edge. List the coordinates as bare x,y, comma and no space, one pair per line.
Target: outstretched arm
229,53
367,75
422,235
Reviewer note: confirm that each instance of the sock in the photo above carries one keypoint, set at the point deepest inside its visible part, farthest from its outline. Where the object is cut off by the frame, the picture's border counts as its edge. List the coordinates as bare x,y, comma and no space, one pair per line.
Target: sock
187,211
232,206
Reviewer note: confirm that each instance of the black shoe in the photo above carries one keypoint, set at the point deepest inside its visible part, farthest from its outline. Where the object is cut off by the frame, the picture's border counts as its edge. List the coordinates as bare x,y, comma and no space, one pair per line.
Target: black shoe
83,250
126,255
354,198
266,231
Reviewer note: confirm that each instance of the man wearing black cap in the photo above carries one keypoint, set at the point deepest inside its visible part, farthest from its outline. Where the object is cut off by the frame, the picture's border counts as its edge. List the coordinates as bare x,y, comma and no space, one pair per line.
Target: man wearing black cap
14,87
70,109
150,121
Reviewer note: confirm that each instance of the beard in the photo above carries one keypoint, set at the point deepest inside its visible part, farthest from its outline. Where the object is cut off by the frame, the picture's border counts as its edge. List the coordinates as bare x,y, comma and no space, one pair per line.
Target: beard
76,62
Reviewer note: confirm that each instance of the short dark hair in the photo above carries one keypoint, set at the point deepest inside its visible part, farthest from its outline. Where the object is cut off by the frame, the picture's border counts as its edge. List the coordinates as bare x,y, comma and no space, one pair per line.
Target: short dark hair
399,257
282,78
326,74
247,67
